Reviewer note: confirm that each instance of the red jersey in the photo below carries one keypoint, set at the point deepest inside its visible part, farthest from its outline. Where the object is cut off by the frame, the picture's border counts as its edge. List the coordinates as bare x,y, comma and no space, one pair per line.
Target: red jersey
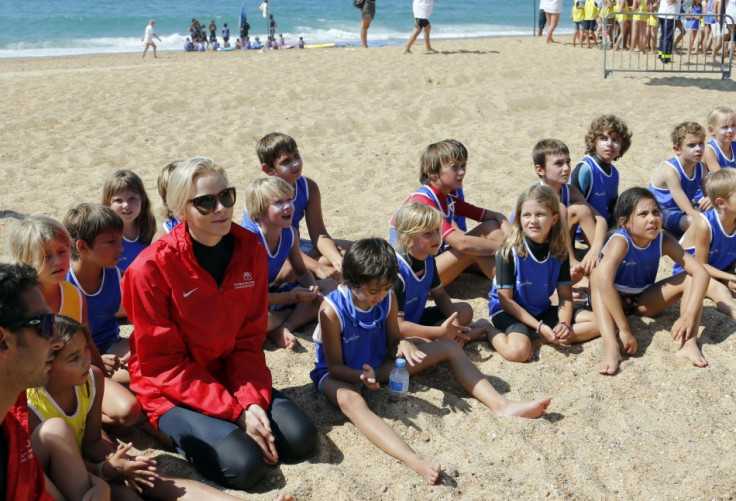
448,205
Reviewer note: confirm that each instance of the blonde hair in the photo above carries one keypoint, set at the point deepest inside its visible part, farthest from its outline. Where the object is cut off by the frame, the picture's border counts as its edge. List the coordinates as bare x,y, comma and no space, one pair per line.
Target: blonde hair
414,219
719,114
182,179
262,192
440,155
557,238
162,184
721,185
680,132
28,236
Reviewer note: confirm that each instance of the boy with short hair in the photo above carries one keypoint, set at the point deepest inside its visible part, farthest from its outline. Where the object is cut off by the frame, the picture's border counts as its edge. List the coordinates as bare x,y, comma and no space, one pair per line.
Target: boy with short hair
97,243
711,238
552,165
678,183
279,156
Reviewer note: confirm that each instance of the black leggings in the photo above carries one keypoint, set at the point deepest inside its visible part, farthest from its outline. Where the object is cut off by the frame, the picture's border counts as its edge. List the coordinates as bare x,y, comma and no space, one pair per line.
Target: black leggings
222,451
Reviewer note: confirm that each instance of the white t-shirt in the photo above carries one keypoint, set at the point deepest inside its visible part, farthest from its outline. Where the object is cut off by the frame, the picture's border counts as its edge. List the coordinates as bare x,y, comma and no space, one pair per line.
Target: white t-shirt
730,11
665,7
148,35
422,8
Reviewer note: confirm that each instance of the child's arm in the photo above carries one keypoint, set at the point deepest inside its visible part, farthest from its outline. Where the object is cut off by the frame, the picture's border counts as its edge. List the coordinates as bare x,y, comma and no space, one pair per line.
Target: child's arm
701,231
686,325
591,258
449,329
316,227
394,342
511,307
709,157
303,275
616,250
502,220
565,311
666,175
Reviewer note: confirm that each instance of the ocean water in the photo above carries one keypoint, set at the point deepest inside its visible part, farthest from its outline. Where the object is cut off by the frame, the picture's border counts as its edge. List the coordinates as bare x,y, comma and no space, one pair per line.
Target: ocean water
38,28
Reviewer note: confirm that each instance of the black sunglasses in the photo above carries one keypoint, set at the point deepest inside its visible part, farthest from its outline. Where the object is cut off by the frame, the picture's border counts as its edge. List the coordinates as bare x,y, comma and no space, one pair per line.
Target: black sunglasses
207,203
43,324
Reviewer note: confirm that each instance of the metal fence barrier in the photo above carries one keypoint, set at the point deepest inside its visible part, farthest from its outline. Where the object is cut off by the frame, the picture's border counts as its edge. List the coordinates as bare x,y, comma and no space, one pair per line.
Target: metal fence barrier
697,61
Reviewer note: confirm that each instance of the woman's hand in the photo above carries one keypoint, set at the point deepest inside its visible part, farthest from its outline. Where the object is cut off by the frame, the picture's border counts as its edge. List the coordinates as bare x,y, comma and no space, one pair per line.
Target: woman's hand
256,424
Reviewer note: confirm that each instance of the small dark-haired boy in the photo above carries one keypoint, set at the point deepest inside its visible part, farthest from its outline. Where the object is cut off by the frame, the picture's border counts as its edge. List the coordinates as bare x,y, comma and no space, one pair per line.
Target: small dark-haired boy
678,183
97,243
711,238
552,165
279,156
358,339
607,139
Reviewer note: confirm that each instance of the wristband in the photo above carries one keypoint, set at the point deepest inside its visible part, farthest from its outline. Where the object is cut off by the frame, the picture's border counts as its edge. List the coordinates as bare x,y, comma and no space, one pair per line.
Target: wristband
539,326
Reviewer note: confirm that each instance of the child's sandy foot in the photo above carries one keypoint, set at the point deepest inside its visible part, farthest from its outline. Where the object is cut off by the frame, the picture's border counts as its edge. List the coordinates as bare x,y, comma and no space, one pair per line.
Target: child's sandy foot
479,329
628,343
609,365
428,471
691,351
532,409
283,338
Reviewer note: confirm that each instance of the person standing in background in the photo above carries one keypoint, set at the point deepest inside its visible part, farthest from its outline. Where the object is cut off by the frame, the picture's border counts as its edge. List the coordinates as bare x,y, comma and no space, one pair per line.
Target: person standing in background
148,37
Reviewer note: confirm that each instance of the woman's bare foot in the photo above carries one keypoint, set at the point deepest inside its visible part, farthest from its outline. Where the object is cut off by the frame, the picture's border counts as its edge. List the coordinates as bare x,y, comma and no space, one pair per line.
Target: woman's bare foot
532,409
609,364
432,51
407,51
283,338
428,471
691,351
628,342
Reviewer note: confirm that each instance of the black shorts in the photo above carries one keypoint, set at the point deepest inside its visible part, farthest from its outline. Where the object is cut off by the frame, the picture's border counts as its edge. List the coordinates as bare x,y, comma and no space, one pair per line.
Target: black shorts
421,23
589,24
508,324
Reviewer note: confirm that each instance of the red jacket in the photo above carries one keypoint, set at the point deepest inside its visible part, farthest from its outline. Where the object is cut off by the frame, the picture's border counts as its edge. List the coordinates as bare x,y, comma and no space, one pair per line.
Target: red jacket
24,477
195,343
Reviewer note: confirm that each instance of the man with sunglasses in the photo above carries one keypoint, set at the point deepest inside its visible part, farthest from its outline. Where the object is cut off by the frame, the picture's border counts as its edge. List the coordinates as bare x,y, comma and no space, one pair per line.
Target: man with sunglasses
28,340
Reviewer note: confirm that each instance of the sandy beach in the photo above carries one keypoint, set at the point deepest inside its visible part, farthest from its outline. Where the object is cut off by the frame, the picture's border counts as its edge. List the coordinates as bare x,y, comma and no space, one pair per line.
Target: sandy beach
660,429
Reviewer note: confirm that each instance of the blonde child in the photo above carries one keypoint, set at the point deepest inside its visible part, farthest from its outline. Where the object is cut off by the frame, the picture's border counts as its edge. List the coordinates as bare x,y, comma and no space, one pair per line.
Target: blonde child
552,164
162,183
719,152
45,244
124,192
678,184
531,265
624,282
279,156
442,168
358,339
97,244
417,241
66,414
270,207
607,139
711,238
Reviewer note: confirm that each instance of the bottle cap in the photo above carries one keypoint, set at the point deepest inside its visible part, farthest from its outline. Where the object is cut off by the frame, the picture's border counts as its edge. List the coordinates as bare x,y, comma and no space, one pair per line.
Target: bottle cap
400,362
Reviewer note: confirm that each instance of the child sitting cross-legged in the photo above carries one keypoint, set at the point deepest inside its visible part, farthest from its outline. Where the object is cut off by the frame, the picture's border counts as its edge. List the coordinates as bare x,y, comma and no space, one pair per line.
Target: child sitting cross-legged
270,208
358,339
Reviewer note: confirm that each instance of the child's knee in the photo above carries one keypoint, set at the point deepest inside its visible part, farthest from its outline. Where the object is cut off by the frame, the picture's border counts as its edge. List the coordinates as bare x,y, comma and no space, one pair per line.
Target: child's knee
464,313
56,431
519,354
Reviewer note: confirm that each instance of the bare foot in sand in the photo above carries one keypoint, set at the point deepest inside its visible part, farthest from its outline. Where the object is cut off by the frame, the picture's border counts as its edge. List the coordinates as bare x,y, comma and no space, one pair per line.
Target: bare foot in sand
407,51
479,329
428,471
609,365
691,351
628,342
282,337
432,51
532,410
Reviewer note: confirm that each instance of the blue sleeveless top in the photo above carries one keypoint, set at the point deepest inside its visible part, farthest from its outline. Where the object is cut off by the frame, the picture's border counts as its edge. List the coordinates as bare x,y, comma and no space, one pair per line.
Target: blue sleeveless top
102,305
416,289
363,333
535,283
722,246
723,161
691,186
277,259
638,269
300,200
131,249
603,188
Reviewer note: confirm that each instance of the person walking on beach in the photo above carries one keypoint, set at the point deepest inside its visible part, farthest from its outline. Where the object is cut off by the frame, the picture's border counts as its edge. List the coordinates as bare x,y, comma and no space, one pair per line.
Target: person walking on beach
148,37
367,13
552,9
422,10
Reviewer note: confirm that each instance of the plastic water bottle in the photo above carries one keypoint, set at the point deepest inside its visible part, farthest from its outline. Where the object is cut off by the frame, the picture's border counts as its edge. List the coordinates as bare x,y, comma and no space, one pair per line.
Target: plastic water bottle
398,381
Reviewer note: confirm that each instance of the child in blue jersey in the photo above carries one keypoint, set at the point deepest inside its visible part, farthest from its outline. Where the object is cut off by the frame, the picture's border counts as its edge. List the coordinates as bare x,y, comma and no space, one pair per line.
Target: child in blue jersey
358,339
678,184
97,243
711,238
417,241
268,201
720,151
531,265
442,168
125,193
162,184
624,282
552,165
607,139
279,156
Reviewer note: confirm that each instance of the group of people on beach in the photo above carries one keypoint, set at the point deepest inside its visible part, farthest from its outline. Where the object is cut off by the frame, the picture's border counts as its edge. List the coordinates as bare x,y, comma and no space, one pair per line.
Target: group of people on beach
203,294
